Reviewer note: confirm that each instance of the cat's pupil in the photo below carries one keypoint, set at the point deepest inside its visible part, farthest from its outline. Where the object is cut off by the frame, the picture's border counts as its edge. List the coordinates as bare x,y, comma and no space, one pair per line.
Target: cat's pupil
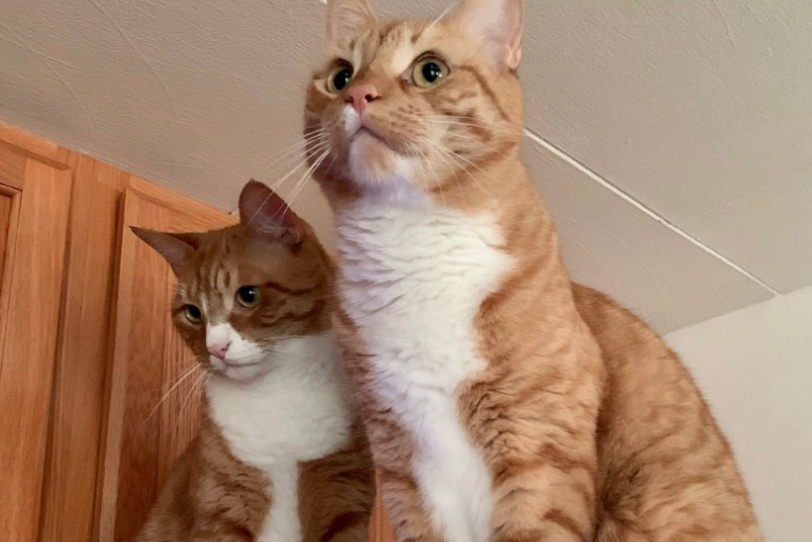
248,294
342,78
193,312
432,72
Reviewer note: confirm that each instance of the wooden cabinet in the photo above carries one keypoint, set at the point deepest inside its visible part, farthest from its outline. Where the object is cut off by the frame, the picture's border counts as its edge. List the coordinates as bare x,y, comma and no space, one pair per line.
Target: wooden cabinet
34,204
98,394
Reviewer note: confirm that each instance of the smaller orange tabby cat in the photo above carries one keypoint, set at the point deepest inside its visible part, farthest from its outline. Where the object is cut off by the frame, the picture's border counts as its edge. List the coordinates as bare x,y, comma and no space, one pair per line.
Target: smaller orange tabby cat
280,456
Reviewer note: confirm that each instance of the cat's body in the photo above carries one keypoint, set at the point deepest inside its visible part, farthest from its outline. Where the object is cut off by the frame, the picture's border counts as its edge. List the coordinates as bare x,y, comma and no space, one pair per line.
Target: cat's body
660,464
503,403
281,456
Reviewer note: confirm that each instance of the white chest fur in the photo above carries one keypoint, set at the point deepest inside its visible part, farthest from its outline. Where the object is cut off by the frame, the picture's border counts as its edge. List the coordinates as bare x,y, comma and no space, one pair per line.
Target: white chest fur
413,280
297,412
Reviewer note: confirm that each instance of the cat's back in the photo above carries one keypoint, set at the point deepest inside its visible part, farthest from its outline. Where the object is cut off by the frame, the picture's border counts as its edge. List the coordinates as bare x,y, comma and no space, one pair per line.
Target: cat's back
664,465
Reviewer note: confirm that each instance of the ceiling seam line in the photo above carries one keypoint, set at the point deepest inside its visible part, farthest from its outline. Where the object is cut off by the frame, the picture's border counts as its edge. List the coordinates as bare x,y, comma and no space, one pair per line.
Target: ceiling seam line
542,142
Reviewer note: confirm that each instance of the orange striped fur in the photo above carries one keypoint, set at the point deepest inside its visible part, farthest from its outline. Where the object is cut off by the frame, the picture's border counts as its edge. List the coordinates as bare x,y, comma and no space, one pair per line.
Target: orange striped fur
570,419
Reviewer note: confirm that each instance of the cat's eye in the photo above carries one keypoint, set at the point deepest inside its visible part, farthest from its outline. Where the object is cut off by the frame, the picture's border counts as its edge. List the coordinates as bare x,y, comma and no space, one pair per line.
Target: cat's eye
429,71
339,78
248,296
193,314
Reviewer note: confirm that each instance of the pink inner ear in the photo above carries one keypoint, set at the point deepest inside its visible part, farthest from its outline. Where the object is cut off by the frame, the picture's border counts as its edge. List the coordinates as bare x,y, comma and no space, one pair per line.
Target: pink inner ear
266,214
498,23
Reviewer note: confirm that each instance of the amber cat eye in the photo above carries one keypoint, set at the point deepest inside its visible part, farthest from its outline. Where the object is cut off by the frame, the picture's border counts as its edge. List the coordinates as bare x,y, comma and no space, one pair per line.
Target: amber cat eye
429,71
248,296
339,78
193,314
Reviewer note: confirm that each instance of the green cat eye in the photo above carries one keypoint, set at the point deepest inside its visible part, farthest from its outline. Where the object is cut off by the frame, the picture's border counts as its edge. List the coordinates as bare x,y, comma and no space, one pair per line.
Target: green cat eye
339,78
193,314
429,71
248,296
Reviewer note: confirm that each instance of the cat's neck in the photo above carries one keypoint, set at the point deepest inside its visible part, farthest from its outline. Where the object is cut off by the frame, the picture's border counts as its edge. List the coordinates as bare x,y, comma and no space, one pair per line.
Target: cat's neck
495,198
497,237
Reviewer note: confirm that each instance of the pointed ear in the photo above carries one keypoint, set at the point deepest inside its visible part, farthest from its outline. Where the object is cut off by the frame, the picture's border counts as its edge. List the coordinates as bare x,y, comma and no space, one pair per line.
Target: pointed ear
175,248
498,24
265,215
347,19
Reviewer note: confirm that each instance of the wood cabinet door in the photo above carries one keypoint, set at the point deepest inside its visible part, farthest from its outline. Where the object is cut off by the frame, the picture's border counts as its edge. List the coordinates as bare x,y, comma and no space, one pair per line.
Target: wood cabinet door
153,383
34,207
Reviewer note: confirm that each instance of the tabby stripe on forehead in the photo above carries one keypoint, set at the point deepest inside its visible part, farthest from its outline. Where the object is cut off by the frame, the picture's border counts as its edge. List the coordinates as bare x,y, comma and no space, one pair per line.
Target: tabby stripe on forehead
486,88
221,279
291,291
385,30
198,284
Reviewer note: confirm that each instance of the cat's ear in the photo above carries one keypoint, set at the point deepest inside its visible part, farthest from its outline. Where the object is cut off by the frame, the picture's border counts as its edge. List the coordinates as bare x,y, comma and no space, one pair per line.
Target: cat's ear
347,19
265,215
498,23
175,248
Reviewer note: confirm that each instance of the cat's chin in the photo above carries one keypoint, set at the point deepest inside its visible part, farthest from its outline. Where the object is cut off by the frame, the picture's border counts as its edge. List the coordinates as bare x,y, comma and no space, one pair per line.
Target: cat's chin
376,168
367,136
239,371
368,151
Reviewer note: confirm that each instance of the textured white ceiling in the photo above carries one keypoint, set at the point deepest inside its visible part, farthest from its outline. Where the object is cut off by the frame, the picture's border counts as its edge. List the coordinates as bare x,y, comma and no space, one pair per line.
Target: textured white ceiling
672,139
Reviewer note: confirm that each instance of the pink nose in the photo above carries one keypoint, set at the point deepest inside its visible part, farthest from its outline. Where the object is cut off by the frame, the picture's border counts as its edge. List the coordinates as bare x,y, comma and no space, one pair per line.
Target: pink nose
361,95
218,350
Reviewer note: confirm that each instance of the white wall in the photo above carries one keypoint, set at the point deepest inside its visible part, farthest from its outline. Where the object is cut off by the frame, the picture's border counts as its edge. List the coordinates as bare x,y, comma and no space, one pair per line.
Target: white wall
709,97
755,367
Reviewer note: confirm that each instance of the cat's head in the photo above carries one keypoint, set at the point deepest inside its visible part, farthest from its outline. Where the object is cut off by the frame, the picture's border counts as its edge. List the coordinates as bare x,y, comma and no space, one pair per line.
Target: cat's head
241,290
407,109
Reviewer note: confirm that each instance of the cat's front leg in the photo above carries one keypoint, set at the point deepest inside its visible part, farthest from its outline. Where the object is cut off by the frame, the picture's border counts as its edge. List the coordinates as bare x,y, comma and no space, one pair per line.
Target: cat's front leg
550,498
539,442
393,453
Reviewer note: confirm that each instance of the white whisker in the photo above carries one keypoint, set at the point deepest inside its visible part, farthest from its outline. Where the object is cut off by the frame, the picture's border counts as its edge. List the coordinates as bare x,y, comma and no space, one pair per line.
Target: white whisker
439,18
194,393
457,159
307,176
166,395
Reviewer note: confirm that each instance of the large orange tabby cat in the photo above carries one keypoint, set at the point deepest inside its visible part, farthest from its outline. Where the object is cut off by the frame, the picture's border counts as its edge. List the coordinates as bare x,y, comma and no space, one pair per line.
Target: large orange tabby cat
280,456
503,402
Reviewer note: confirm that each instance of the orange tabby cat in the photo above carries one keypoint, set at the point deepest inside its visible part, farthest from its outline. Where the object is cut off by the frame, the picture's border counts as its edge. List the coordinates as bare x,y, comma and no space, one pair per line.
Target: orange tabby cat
280,456
503,402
